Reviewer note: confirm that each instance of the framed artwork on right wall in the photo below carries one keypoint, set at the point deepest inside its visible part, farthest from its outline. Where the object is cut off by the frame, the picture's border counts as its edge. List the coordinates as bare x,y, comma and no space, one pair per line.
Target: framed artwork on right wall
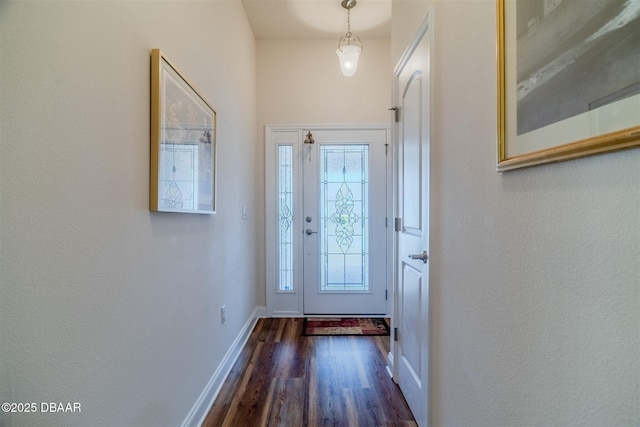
568,79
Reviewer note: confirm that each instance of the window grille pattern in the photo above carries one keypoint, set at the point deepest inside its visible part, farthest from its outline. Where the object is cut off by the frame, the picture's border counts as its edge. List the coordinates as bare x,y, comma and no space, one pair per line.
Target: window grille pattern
344,222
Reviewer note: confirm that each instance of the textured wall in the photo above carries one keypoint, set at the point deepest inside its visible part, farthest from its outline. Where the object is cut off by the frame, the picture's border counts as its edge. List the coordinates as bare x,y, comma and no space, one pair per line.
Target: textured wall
535,273
102,302
311,89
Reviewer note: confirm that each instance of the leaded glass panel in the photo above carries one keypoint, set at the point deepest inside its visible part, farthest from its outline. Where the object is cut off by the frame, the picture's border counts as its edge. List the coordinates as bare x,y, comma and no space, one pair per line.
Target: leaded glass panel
285,218
344,220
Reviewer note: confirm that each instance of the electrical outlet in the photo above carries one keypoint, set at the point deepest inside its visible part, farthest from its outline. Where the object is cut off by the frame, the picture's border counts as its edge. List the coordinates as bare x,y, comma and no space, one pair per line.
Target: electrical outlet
223,314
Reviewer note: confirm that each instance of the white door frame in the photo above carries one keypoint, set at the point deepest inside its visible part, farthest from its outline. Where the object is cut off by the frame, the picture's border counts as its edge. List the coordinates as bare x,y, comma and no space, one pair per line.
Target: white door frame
425,30
290,304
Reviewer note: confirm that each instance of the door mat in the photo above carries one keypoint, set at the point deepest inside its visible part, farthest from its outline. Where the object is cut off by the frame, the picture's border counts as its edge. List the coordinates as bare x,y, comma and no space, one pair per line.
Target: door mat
345,326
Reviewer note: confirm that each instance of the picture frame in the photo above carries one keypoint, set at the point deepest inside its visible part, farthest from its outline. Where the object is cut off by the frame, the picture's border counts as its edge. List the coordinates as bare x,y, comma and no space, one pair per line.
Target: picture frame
568,80
183,143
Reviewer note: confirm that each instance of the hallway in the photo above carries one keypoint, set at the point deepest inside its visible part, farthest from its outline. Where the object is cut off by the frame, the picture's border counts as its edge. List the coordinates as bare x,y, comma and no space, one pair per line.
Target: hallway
534,279
284,379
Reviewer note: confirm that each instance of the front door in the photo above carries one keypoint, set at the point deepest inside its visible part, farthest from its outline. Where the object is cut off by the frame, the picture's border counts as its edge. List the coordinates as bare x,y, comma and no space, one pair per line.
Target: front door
327,220
412,293
344,239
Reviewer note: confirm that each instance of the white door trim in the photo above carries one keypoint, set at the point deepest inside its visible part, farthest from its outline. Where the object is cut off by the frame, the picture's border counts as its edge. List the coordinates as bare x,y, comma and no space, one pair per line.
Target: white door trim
291,304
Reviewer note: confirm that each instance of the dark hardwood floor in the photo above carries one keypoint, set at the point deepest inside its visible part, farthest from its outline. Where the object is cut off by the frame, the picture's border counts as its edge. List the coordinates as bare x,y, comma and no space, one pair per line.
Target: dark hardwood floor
284,379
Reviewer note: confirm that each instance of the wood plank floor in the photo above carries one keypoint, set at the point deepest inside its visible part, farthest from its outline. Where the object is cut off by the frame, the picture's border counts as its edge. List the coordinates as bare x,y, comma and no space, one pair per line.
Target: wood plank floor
284,379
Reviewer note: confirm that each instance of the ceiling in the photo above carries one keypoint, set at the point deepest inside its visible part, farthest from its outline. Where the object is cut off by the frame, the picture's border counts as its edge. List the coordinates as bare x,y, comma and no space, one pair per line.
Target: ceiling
317,19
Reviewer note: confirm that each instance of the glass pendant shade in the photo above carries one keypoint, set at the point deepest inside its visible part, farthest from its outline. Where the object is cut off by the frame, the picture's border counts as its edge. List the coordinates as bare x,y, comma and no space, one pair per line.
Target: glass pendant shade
348,55
349,46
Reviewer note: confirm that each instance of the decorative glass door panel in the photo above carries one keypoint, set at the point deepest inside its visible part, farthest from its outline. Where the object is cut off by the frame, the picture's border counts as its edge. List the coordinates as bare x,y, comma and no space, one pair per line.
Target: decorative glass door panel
344,220
285,218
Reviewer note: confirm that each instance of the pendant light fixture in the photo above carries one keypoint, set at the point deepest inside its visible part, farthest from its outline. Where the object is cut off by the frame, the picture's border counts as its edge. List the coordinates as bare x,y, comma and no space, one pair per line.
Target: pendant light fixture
349,46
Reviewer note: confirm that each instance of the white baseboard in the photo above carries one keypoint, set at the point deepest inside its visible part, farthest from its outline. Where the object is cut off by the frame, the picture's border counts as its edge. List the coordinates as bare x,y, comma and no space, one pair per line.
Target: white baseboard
200,409
287,314
390,368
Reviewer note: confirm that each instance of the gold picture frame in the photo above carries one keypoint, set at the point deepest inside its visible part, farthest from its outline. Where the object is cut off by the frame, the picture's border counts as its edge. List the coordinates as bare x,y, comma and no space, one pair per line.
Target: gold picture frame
549,108
183,143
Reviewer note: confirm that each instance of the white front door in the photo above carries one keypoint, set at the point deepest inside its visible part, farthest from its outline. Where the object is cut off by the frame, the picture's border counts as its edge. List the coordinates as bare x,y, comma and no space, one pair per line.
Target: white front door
327,205
412,293
345,222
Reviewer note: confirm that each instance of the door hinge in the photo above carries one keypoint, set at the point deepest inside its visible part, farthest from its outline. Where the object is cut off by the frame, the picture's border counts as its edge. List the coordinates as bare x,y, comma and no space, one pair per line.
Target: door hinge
386,294
386,149
395,333
396,113
398,224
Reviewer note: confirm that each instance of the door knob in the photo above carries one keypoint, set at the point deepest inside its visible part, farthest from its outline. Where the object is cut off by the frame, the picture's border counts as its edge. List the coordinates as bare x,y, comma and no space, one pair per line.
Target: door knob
423,256
309,232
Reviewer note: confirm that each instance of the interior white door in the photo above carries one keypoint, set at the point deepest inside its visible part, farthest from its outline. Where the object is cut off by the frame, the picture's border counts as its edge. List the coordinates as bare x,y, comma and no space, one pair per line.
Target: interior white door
344,222
412,292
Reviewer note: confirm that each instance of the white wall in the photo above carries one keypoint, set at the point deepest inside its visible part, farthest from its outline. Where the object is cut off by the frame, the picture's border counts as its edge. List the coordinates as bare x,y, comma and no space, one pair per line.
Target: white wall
102,302
535,273
301,82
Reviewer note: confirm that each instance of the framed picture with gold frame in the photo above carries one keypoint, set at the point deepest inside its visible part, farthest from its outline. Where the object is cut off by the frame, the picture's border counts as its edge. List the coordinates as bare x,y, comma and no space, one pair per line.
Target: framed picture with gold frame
568,79
183,143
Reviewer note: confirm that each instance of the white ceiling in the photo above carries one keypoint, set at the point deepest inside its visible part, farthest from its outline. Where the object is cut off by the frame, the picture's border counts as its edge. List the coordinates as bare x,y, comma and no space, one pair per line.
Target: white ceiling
317,19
